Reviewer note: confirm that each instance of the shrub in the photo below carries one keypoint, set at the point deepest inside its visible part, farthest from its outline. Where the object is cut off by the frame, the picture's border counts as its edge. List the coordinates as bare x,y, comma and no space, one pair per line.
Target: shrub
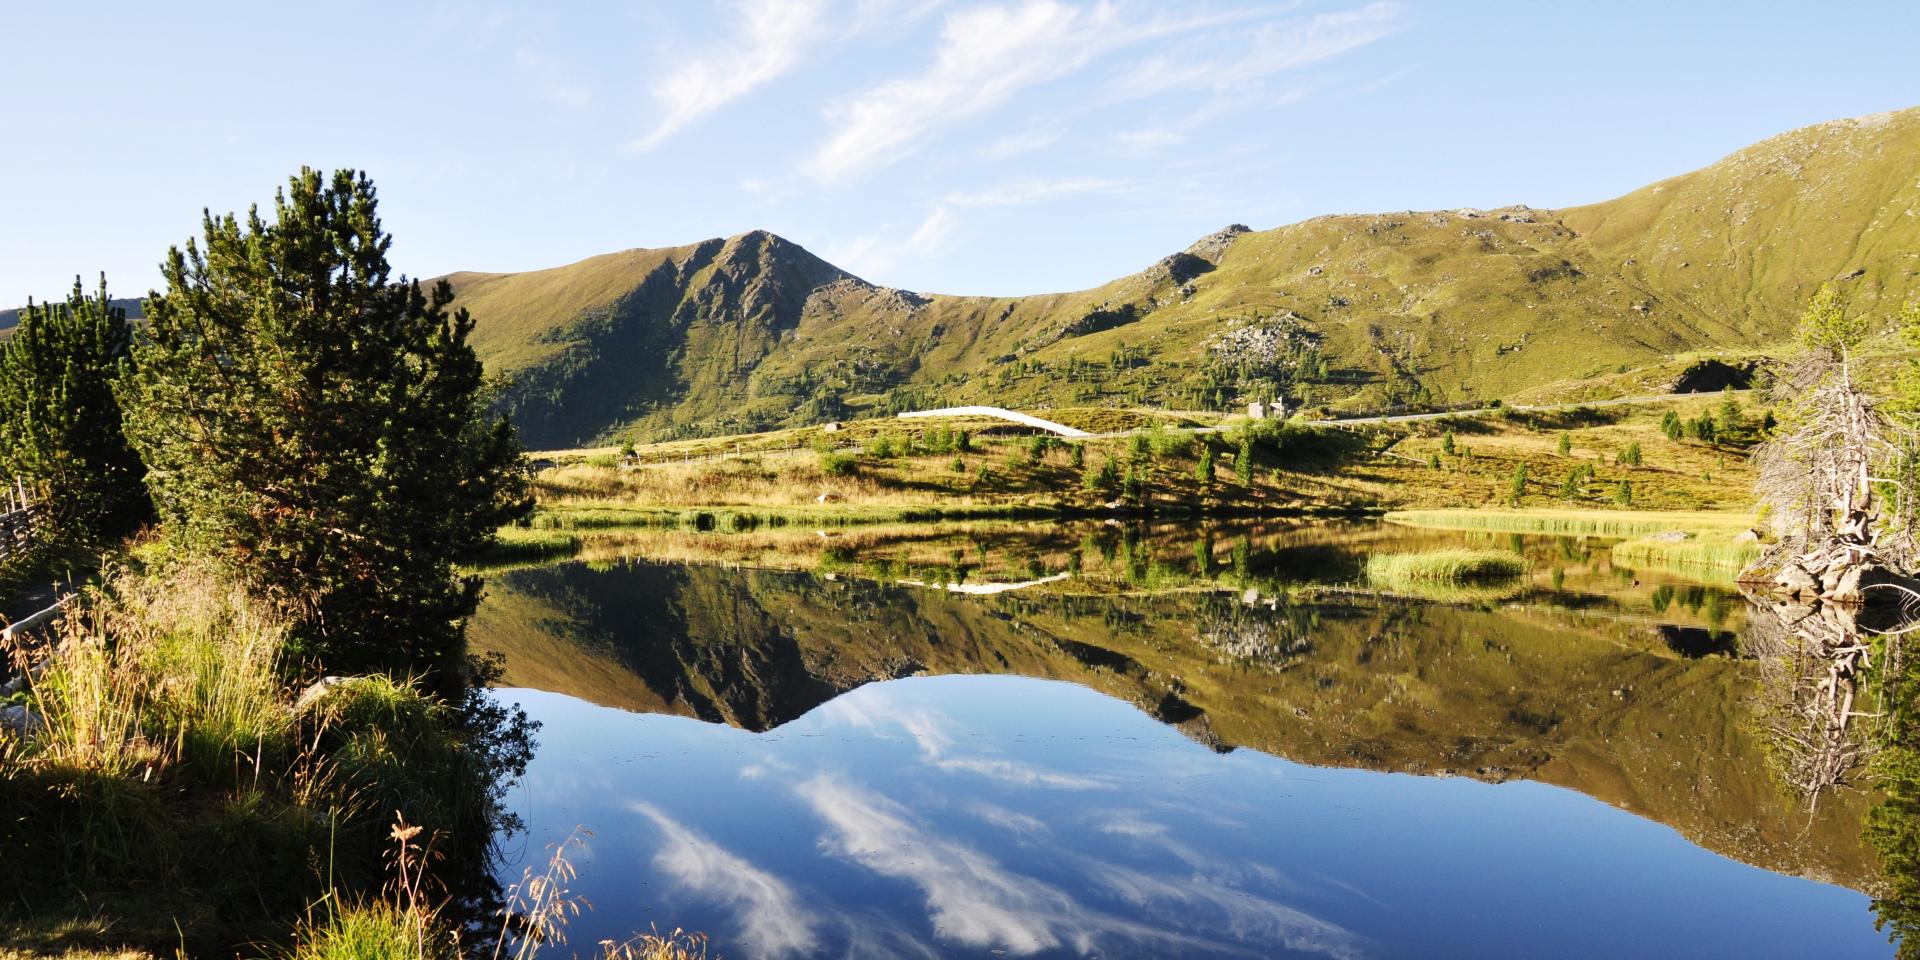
1566,444
1447,444
836,464
1102,481
605,461
1629,457
1170,443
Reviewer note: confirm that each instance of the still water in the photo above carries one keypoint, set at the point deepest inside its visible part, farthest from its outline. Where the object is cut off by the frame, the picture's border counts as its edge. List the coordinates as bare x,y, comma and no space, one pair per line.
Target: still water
1234,749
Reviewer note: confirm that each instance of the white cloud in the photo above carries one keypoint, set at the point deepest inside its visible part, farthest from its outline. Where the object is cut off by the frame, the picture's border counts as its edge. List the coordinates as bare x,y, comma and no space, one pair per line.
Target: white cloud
970,897
940,222
772,922
1242,913
871,15
1276,48
986,55
770,38
1019,144
872,254
1031,191
1180,130
932,232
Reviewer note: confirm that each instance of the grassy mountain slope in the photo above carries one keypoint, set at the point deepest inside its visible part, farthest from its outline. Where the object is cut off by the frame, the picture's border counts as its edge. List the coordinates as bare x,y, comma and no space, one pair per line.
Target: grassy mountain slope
1433,308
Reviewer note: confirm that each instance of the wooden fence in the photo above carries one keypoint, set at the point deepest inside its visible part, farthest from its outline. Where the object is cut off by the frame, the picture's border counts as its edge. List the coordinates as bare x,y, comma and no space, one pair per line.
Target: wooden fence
22,512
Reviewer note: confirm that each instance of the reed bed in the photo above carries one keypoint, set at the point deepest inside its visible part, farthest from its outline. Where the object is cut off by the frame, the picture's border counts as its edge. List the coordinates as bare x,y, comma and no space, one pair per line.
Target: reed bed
1446,566
1699,554
1623,524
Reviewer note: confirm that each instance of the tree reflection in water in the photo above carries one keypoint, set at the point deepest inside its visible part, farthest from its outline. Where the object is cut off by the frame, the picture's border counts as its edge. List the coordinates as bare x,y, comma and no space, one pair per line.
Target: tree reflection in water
1841,706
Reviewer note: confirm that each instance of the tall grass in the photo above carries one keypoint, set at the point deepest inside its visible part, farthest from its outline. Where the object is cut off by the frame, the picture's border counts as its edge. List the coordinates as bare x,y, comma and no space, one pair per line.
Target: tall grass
1446,566
1453,576
1587,523
148,672
174,788
1702,554
406,924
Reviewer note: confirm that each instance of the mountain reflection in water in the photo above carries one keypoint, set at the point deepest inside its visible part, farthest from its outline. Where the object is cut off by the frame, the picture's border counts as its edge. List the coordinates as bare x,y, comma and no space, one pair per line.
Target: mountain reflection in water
976,808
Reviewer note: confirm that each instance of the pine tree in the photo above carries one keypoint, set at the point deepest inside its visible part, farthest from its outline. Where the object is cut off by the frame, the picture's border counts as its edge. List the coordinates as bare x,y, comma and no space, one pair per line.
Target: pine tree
1517,487
1243,462
1728,420
1446,444
60,423
1566,445
319,425
1203,469
1623,494
1671,426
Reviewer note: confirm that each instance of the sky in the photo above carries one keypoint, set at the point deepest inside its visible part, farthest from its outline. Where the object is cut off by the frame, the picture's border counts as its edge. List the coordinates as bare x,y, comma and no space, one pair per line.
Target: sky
947,146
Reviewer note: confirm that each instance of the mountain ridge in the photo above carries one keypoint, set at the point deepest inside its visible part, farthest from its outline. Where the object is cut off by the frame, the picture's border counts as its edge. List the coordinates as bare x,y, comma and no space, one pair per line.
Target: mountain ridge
1437,307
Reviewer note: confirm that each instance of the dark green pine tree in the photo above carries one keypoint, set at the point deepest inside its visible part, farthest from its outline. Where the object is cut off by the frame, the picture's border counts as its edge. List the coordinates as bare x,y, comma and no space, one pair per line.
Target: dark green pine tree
320,426
60,425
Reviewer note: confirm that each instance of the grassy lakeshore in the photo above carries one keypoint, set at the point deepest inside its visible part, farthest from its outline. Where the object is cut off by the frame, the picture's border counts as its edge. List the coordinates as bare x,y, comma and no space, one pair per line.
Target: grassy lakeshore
1572,471
1715,555
1623,524
1710,545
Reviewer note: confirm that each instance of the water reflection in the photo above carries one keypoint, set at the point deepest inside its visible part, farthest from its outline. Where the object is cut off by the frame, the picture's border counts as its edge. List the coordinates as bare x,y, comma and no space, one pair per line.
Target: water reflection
980,807
1841,704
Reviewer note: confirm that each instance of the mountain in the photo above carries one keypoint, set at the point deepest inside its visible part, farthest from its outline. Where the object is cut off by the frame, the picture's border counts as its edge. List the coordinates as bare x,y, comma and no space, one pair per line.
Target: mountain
1438,307
132,305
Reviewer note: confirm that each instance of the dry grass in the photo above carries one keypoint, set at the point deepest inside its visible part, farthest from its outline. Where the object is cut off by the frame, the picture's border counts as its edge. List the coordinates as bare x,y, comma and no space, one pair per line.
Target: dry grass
1714,554
1446,566
147,673
1579,523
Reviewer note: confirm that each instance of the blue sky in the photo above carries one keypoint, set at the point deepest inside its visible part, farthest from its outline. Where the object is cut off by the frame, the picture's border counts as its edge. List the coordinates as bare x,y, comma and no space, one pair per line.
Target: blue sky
965,146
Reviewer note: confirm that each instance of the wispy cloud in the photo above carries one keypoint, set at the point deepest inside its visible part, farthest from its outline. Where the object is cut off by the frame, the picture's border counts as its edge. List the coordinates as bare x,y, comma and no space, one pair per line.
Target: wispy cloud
772,922
985,56
1242,913
873,253
970,897
1182,128
770,37
940,222
1275,48
1019,144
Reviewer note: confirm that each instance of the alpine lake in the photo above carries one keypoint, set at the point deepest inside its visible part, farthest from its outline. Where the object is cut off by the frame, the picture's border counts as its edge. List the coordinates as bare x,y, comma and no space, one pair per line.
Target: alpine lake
1088,739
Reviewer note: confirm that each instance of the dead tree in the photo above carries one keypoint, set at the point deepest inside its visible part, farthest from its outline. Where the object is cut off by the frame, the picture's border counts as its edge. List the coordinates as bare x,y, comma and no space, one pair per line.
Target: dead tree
1815,680
1818,477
